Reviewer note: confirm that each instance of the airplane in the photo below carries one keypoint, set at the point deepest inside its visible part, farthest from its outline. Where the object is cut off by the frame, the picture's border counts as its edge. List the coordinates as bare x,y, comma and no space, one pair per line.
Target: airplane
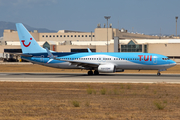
95,62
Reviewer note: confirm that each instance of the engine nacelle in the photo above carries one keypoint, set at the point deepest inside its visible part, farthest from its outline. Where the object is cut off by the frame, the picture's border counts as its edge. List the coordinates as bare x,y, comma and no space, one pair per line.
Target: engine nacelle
106,68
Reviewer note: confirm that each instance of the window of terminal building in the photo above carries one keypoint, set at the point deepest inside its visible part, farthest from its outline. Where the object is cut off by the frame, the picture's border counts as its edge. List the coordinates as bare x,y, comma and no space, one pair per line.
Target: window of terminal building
89,35
53,35
145,48
93,35
57,36
64,35
46,35
82,35
49,35
78,35
131,48
13,50
42,35
46,45
60,35
71,35
74,35
85,35
67,35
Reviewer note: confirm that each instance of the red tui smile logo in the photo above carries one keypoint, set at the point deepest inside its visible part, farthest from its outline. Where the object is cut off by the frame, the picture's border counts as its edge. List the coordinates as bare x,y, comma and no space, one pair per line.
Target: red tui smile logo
25,44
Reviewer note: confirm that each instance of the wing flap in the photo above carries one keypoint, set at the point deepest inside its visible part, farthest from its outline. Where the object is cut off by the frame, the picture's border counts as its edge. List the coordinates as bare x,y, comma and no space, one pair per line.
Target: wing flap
79,63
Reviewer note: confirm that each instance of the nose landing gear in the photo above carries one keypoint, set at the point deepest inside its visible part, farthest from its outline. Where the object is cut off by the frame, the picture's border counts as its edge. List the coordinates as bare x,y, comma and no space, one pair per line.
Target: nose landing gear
158,74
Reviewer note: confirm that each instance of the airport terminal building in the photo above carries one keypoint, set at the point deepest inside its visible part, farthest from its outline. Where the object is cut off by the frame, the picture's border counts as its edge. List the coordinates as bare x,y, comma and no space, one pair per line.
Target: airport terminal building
76,41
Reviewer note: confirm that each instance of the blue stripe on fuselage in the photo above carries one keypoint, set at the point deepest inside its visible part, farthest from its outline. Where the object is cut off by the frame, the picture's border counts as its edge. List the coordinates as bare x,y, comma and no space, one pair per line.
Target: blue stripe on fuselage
150,58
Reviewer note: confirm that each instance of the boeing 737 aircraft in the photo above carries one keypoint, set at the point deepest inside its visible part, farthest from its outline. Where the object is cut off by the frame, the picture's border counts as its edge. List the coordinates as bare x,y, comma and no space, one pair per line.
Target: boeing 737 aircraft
94,62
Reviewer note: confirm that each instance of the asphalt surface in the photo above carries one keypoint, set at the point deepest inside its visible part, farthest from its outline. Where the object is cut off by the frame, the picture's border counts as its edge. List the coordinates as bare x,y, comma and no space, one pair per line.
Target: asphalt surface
79,77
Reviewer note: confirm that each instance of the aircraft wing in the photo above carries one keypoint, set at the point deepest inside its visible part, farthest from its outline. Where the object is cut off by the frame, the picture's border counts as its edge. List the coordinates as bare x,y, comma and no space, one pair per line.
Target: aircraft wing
73,62
79,63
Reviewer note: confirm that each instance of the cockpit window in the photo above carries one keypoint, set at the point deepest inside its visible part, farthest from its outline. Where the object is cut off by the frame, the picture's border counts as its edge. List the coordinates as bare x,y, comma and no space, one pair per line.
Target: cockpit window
165,58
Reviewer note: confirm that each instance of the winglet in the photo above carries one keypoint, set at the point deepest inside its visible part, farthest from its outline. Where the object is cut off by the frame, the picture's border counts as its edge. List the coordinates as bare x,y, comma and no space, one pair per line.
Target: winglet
89,50
50,55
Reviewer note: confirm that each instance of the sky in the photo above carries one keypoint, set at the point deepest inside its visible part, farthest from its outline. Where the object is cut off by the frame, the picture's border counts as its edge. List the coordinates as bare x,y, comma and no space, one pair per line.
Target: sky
142,16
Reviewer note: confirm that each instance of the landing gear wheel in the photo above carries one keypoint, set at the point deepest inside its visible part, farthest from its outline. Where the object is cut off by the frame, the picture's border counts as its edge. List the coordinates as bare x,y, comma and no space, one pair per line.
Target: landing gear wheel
90,72
96,72
158,74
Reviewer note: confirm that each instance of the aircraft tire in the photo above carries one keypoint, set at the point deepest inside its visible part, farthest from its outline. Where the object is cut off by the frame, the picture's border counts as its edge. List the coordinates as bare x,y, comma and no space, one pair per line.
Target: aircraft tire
96,72
158,74
90,72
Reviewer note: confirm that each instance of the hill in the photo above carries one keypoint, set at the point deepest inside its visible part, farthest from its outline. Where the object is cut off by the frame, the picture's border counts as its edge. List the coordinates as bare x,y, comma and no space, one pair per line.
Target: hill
12,26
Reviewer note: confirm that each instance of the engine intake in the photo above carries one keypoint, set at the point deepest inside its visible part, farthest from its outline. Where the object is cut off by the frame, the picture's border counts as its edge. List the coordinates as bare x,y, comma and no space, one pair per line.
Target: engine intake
109,69
106,68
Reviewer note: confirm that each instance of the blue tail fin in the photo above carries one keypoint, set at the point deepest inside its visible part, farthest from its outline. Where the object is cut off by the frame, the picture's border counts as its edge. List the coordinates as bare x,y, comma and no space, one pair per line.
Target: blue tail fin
28,43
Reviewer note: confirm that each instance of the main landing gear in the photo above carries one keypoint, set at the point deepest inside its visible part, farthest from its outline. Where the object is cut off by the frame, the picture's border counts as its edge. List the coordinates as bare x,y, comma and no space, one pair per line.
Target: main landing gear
91,72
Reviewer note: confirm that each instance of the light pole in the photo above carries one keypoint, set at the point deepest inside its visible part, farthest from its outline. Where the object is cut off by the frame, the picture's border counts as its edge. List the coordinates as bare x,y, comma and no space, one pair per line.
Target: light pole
107,17
176,26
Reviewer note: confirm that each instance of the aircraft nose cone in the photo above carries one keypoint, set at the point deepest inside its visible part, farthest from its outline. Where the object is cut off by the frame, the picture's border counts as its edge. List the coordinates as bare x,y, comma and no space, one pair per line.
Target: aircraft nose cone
172,63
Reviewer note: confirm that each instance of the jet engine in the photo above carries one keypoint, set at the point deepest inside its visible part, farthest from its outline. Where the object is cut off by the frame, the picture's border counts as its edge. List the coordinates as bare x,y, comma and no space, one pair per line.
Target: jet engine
106,68
109,69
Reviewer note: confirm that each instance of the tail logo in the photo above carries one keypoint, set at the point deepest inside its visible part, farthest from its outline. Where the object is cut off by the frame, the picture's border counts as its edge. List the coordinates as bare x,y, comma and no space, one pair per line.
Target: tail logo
25,44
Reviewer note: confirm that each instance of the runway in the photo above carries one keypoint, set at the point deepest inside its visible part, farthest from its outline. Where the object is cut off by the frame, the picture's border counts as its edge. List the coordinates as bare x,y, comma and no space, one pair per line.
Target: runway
79,77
